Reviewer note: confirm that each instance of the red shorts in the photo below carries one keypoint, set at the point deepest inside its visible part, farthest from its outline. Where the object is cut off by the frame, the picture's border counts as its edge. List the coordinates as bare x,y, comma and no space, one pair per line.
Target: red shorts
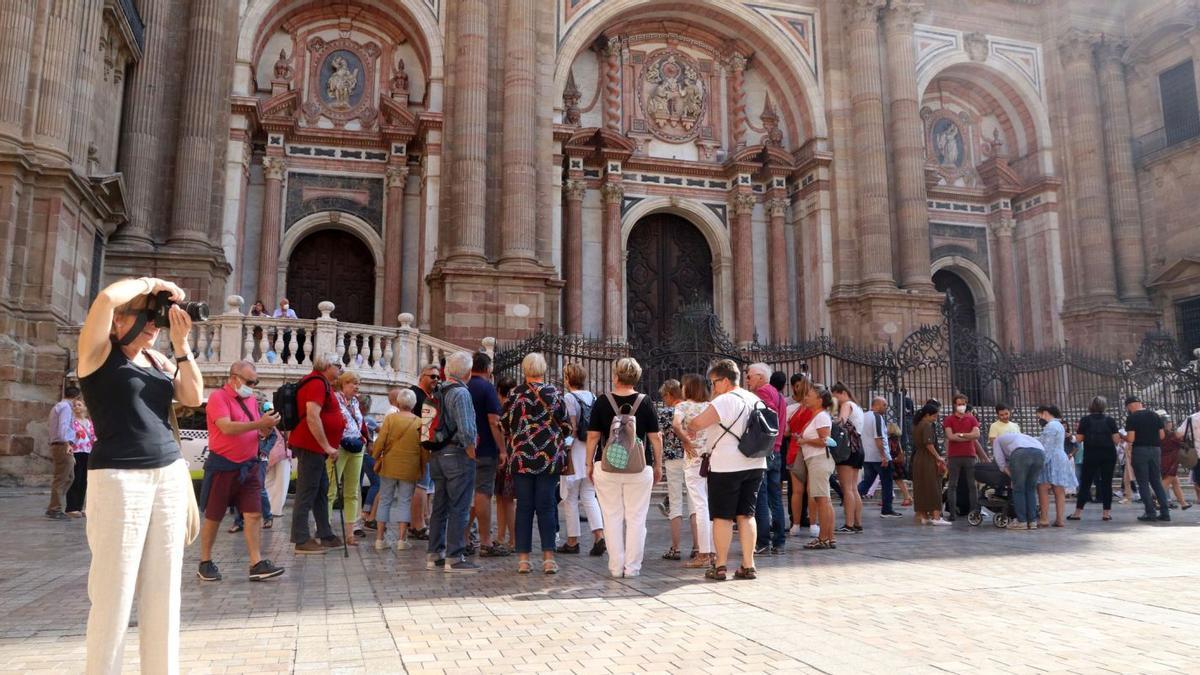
225,490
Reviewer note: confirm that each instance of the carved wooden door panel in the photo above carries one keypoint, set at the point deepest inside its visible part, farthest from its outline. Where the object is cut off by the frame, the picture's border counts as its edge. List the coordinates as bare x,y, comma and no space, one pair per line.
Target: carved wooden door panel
336,266
669,265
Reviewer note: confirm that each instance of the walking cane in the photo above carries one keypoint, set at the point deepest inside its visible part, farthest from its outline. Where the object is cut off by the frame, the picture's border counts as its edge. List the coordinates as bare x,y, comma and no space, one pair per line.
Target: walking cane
341,511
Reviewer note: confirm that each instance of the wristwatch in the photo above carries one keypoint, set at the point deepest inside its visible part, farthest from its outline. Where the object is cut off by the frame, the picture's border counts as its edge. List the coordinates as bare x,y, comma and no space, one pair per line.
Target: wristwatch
187,356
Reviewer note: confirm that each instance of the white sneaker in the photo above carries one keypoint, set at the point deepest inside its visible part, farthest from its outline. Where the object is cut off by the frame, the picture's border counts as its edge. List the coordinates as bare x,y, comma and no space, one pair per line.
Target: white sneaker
380,545
940,521
814,530
1016,525
1033,526
795,531
403,545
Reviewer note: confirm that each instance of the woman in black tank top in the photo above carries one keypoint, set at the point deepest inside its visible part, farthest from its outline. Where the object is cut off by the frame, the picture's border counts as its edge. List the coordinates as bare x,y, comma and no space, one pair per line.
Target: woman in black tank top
139,492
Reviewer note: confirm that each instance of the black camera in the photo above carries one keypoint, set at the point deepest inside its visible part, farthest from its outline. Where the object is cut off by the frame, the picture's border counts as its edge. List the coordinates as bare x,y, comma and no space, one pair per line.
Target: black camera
161,303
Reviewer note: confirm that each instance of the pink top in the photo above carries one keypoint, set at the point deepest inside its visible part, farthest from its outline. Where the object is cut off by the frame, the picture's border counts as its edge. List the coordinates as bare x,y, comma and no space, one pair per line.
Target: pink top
234,447
85,435
774,400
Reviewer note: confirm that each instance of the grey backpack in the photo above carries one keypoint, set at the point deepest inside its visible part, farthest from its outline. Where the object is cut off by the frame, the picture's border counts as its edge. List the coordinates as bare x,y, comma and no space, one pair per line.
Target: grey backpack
623,451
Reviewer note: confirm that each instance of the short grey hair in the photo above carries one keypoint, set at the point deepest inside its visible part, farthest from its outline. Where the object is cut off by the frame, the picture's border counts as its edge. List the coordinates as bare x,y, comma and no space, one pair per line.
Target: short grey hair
239,367
325,360
406,399
760,369
458,365
533,365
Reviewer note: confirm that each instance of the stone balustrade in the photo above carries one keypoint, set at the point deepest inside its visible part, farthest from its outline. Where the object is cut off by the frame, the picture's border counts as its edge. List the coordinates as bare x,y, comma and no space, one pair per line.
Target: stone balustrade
282,349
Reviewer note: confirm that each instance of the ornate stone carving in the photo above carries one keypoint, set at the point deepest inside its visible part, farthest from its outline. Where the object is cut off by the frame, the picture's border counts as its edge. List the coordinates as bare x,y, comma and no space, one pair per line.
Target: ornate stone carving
574,189
274,168
736,63
571,96
1077,45
742,203
901,14
1003,227
341,81
976,45
1111,49
399,83
283,67
396,176
772,134
673,95
777,207
862,12
613,193
341,84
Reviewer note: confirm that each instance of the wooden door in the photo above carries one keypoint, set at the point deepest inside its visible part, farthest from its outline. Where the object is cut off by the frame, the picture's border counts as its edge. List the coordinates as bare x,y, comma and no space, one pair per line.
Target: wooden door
336,266
669,265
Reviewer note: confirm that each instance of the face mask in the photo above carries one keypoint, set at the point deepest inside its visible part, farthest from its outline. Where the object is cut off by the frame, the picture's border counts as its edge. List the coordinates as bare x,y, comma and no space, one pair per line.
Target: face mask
1043,422
960,409
284,307
244,391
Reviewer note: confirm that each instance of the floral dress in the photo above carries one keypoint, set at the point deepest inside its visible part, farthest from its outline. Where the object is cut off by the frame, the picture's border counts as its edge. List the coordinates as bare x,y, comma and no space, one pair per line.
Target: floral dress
1059,470
687,411
672,446
535,419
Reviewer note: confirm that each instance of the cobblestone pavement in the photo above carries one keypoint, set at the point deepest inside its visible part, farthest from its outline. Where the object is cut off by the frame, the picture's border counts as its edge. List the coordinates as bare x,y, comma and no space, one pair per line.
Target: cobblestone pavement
1094,597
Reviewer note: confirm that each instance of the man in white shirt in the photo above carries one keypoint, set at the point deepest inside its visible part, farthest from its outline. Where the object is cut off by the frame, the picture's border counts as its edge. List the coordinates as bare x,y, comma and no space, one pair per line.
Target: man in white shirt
877,456
285,311
62,439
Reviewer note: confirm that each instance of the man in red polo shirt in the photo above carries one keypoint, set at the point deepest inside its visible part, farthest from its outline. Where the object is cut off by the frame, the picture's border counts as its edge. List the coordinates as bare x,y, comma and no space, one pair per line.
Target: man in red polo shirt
313,440
232,469
962,430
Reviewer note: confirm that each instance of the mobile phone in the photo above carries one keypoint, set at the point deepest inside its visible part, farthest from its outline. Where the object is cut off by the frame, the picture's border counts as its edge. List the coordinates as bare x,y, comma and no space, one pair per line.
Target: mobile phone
267,407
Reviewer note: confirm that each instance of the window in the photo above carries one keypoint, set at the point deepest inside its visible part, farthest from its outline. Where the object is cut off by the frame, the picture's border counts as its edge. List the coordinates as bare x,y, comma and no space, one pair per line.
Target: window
1181,114
1187,324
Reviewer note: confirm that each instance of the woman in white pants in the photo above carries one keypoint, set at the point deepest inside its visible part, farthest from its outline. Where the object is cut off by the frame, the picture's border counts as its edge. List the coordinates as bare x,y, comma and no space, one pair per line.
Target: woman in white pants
694,402
139,500
577,490
279,472
625,497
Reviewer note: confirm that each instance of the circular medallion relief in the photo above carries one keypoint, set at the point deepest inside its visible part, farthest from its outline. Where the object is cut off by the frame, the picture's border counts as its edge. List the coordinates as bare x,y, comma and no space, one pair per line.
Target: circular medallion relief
673,96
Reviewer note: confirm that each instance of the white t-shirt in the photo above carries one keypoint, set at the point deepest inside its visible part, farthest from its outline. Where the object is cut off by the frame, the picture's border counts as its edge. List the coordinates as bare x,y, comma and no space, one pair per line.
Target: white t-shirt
685,412
821,420
856,417
734,409
874,426
1182,428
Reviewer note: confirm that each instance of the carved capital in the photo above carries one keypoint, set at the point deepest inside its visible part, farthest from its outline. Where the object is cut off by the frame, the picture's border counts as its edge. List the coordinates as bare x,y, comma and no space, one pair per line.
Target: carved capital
396,176
742,203
901,14
613,193
777,207
1076,45
736,63
1003,227
1111,50
274,167
574,189
863,13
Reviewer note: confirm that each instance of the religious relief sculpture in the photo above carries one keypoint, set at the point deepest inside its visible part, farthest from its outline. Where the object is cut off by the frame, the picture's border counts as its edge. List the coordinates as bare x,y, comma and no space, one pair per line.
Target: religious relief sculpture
571,97
772,134
399,80
949,144
341,83
283,67
673,96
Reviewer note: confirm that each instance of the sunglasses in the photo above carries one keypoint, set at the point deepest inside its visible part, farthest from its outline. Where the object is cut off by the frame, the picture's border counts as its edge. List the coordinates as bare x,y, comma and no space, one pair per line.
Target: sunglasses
249,383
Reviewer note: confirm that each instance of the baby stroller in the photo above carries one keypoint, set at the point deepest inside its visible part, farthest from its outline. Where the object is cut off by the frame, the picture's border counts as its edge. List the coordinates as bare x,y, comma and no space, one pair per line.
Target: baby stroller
995,496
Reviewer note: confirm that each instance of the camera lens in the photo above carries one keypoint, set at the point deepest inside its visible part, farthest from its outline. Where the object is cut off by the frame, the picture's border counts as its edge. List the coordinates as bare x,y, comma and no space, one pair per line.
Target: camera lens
197,310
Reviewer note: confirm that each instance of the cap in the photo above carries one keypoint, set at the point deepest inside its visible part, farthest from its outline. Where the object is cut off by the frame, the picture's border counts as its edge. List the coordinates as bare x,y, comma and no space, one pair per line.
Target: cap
1132,399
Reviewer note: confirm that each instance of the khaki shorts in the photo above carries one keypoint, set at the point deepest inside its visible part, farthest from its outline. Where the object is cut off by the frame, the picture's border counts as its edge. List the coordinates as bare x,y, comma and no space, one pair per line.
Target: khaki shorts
814,472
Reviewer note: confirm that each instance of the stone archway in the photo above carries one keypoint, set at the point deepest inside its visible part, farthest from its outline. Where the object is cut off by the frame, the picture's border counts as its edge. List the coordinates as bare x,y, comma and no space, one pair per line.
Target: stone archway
969,277
332,265
668,267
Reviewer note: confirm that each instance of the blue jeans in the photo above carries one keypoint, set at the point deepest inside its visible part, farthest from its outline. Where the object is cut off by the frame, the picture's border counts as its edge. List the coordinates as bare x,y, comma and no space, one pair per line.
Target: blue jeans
372,478
1025,467
1147,469
772,521
871,470
266,502
537,493
454,486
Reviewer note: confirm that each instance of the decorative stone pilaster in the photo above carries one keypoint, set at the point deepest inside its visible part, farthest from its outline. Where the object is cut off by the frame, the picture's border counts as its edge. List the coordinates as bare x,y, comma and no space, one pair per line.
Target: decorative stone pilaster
272,217
519,178
393,243
870,151
781,317
469,133
1091,231
572,256
908,146
1002,226
611,52
16,23
741,233
736,66
614,272
56,88
1122,177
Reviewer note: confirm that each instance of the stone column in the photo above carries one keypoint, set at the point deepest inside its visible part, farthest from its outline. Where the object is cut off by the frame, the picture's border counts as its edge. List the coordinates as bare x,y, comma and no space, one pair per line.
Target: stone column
16,50
268,247
612,84
393,244
1122,177
741,232
1004,284
780,314
572,255
196,148
908,145
468,190
870,150
145,126
737,100
614,274
56,91
1091,231
519,183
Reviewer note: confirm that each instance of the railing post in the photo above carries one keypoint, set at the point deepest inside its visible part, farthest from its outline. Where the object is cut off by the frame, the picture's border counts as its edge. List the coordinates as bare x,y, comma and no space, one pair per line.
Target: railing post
326,331
404,352
231,330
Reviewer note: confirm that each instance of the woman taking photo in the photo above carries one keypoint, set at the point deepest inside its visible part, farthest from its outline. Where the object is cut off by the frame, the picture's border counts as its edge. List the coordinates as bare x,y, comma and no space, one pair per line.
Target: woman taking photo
535,420
850,415
1058,473
928,467
140,502
346,471
1098,433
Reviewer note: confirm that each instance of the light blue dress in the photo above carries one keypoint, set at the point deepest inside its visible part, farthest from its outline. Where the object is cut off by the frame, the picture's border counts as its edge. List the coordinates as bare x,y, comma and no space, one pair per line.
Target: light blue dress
1059,469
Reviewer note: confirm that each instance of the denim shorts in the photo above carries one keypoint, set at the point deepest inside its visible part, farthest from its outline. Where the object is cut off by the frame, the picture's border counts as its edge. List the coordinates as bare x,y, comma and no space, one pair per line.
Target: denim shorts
426,482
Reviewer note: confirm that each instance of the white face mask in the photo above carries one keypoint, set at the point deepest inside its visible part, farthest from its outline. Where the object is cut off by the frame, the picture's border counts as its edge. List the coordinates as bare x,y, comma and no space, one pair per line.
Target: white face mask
284,307
245,391
960,409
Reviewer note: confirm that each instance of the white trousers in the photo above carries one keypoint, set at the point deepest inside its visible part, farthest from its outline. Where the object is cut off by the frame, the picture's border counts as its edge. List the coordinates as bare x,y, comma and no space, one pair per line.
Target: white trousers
578,491
136,526
278,477
697,490
674,470
624,499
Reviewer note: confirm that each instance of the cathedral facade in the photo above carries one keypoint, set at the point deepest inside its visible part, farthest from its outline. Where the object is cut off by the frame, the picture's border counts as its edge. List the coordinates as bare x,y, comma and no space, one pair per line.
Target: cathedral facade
499,167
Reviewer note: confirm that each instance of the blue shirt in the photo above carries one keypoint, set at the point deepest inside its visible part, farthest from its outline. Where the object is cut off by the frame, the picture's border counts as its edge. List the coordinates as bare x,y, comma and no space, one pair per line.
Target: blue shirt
486,402
460,413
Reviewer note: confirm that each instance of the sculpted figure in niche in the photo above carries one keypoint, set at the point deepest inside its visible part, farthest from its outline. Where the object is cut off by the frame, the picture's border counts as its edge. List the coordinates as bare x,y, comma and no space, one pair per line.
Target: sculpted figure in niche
946,140
283,67
674,95
342,83
400,79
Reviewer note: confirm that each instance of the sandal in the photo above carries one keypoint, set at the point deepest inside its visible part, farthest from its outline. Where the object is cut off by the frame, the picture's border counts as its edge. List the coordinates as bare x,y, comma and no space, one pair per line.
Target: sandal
696,551
820,545
906,502
549,567
698,562
524,567
1106,518
267,524
716,573
1058,524
745,573
1072,517
672,554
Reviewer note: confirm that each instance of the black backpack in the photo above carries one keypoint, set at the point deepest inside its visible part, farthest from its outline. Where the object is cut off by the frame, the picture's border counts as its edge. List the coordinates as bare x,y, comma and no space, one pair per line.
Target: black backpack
585,418
286,404
762,426
844,448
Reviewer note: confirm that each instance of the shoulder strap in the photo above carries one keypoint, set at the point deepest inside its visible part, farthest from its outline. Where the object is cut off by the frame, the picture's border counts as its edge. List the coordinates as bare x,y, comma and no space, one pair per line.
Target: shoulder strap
636,402
613,402
727,430
249,417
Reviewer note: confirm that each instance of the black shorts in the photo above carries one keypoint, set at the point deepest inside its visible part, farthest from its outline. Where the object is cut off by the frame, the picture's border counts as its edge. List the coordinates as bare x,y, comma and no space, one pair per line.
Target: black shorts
733,493
854,461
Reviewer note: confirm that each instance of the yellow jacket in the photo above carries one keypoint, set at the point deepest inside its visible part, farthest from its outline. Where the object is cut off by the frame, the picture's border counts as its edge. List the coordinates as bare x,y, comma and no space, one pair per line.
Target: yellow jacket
397,450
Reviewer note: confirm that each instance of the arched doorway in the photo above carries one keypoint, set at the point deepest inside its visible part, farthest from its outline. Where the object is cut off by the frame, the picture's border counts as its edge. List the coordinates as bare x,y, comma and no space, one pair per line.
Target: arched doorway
332,265
962,301
668,266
